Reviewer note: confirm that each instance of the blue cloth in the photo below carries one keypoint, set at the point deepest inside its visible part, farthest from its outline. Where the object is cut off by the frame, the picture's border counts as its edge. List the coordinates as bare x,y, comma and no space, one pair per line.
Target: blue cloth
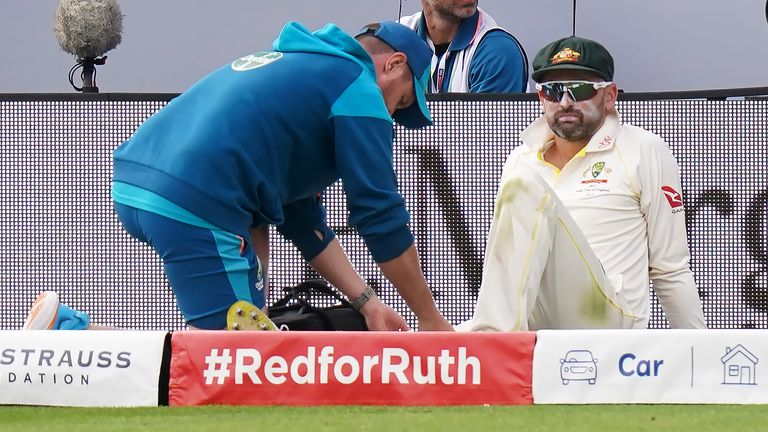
71,319
208,269
255,141
498,66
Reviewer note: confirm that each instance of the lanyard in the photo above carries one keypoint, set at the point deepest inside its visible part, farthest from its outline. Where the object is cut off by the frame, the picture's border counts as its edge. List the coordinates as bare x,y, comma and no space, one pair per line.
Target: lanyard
440,74
438,66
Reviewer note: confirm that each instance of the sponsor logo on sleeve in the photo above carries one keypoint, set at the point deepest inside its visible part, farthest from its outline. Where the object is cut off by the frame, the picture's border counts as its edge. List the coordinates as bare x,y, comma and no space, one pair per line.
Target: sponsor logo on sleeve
673,197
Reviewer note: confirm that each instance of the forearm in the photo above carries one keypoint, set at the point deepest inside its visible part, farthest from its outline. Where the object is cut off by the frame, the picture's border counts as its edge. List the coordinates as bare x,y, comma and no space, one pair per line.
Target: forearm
404,272
680,300
333,265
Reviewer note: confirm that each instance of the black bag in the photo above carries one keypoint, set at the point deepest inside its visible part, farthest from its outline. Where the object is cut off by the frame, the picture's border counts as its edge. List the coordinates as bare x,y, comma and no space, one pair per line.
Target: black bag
301,315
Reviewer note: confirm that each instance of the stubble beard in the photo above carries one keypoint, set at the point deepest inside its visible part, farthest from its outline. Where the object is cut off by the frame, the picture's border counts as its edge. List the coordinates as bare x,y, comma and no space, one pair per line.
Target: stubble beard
574,132
448,11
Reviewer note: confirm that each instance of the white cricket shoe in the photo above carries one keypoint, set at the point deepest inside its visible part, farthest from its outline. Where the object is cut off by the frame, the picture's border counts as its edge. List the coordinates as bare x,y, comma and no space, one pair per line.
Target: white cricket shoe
42,315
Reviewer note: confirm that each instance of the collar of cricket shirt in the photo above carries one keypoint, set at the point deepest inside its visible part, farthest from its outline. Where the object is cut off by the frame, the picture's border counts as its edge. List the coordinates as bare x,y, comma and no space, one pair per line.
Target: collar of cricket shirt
538,134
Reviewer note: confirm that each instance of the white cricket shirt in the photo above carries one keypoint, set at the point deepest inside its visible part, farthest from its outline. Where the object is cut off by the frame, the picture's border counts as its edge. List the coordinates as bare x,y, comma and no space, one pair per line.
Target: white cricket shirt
623,191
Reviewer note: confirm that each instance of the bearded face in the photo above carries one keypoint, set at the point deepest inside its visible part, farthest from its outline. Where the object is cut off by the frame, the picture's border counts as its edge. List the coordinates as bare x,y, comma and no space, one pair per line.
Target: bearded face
460,9
577,122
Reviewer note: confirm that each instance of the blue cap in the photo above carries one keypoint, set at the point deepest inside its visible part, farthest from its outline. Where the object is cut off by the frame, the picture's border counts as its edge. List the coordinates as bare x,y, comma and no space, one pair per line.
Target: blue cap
404,40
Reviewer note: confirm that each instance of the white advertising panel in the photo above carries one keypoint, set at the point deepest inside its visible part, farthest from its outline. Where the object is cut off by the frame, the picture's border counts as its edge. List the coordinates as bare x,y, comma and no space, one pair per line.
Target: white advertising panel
80,368
650,366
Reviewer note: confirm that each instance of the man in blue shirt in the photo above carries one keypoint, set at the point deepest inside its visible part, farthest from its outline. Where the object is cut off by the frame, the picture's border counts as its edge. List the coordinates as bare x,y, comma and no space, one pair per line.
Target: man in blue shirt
471,52
253,144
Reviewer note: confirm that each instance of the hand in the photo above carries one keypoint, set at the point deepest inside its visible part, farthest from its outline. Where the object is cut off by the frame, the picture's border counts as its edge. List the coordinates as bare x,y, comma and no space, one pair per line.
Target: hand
435,323
380,317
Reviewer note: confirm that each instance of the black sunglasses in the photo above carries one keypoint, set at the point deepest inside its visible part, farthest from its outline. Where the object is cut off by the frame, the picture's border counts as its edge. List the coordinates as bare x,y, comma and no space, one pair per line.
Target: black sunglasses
578,91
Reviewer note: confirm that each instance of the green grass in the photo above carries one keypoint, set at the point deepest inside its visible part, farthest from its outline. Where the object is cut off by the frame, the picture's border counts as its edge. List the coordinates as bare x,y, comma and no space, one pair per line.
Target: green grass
570,418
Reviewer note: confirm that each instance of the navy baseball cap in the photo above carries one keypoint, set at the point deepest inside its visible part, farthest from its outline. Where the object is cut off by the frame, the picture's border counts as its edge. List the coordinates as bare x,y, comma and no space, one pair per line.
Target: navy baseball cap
404,40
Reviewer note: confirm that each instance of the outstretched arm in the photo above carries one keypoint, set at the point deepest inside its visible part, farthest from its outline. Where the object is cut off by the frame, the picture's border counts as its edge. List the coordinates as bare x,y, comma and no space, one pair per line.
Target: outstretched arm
376,209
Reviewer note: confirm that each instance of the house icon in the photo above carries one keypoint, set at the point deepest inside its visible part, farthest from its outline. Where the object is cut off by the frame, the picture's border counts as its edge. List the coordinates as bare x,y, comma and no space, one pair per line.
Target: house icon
739,366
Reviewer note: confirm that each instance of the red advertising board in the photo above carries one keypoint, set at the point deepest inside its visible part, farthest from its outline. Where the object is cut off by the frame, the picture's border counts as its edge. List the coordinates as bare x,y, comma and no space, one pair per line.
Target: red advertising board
351,368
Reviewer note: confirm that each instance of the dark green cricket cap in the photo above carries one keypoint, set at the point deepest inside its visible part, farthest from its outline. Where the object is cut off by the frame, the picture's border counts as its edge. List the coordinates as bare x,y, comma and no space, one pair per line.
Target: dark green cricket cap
573,53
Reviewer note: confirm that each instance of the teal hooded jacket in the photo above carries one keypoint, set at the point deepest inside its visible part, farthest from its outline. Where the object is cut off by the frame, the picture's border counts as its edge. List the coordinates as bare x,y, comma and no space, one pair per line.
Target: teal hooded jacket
258,140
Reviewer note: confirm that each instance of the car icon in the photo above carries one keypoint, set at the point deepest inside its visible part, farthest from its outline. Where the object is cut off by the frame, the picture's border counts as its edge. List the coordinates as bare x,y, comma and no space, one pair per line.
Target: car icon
578,365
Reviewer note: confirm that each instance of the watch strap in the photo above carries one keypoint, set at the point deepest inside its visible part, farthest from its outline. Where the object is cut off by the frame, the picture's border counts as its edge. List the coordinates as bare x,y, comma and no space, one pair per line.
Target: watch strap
363,298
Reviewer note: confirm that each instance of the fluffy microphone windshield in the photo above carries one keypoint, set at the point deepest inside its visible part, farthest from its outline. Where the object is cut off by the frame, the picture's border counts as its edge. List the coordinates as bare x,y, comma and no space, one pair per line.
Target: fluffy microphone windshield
88,28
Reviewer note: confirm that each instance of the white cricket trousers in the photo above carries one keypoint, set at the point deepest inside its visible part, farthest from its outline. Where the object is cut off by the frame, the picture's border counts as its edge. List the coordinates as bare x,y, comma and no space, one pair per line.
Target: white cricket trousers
539,270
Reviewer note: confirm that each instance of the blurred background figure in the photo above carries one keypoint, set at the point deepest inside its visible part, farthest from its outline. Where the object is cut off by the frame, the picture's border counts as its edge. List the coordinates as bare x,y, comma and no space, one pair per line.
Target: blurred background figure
471,52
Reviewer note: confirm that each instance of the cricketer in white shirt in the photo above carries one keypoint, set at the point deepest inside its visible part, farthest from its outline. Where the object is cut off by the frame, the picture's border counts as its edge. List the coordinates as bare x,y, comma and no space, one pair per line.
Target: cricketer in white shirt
575,248
583,219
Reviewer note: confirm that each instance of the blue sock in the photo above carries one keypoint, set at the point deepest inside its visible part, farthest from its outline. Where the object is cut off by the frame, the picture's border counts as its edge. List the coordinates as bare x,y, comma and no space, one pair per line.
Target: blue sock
71,319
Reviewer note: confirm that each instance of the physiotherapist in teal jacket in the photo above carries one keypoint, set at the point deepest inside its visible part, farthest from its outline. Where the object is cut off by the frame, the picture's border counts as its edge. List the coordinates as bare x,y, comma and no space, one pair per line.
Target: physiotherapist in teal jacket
253,144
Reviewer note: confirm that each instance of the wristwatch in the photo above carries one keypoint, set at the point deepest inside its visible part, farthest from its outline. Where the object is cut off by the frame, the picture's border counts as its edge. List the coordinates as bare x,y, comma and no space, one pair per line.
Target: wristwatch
363,298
